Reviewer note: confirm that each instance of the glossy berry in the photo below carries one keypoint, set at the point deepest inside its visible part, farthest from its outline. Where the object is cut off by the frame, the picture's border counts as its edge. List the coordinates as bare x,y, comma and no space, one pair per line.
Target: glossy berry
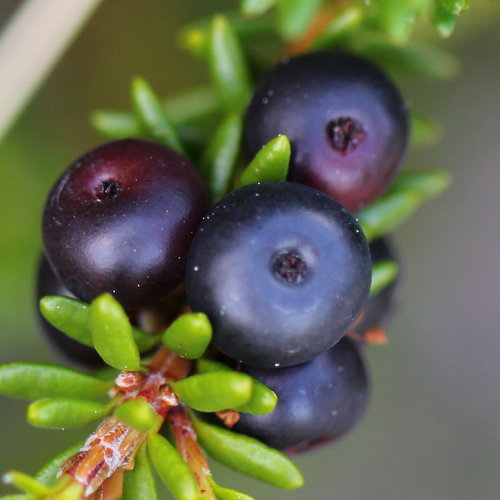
379,307
49,284
346,121
281,270
121,220
318,401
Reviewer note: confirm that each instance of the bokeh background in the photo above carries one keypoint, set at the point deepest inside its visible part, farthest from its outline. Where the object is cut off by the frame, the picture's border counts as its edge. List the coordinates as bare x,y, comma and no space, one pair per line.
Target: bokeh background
432,429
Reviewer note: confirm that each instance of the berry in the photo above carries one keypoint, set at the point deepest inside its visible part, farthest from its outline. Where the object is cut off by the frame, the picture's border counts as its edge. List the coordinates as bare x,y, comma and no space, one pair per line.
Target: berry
345,119
281,270
318,401
49,284
121,220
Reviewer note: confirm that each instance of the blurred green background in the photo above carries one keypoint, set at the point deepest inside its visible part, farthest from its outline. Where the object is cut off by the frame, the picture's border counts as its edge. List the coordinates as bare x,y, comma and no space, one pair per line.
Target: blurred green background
432,430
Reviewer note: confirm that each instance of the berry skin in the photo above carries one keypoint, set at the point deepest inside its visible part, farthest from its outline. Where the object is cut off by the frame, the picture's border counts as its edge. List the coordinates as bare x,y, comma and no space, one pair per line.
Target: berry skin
49,284
345,119
121,220
281,270
318,401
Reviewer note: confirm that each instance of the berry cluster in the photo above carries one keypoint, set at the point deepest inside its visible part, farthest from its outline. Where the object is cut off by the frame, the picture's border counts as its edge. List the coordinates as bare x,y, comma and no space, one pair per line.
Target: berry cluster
282,269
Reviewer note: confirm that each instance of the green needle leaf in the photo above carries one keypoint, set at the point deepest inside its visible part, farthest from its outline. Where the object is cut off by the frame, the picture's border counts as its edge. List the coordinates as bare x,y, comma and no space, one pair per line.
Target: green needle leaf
217,164
342,26
137,413
26,483
425,131
256,7
189,335
116,124
226,493
153,116
139,483
383,274
112,334
455,6
262,401
228,67
443,20
65,413
295,16
428,183
214,391
18,497
192,105
47,475
172,469
249,456
37,380
269,164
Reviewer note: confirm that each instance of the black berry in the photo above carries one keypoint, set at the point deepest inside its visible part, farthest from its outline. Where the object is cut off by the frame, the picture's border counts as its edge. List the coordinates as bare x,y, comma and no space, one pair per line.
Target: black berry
121,220
281,270
346,121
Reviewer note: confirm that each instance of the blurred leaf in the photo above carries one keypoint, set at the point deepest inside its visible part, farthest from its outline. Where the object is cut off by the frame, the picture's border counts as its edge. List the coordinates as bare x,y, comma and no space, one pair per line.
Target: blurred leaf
214,391
455,6
256,7
18,497
37,380
226,493
247,455
112,334
137,413
25,483
427,182
228,67
269,164
262,401
47,475
217,164
442,19
153,116
424,131
116,124
192,105
65,413
139,483
189,335
383,274
343,25
172,469
295,16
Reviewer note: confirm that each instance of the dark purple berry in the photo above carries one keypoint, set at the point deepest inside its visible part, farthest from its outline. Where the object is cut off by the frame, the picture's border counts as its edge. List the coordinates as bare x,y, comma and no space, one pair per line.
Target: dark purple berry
318,401
346,121
281,270
49,284
121,220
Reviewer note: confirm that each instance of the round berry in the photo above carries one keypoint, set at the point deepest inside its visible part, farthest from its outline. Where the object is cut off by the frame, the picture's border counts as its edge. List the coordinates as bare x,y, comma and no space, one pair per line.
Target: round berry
49,284
121,220
318,401
346,122
281,270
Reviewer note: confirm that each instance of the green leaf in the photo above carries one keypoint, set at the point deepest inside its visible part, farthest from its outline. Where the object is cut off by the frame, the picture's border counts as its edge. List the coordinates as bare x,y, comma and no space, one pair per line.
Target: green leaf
172,469
247,455
37,380
341,27
398,18
18,497
256,7
72,317
228,67
455,6
295,16
25,483
269,164
137,413
428,183
153,116
189,335
139,483
443,20
384,273
192,105
217,164
226,493
425,131
214,391
116,124
262,401
47,475
65,413
112,334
